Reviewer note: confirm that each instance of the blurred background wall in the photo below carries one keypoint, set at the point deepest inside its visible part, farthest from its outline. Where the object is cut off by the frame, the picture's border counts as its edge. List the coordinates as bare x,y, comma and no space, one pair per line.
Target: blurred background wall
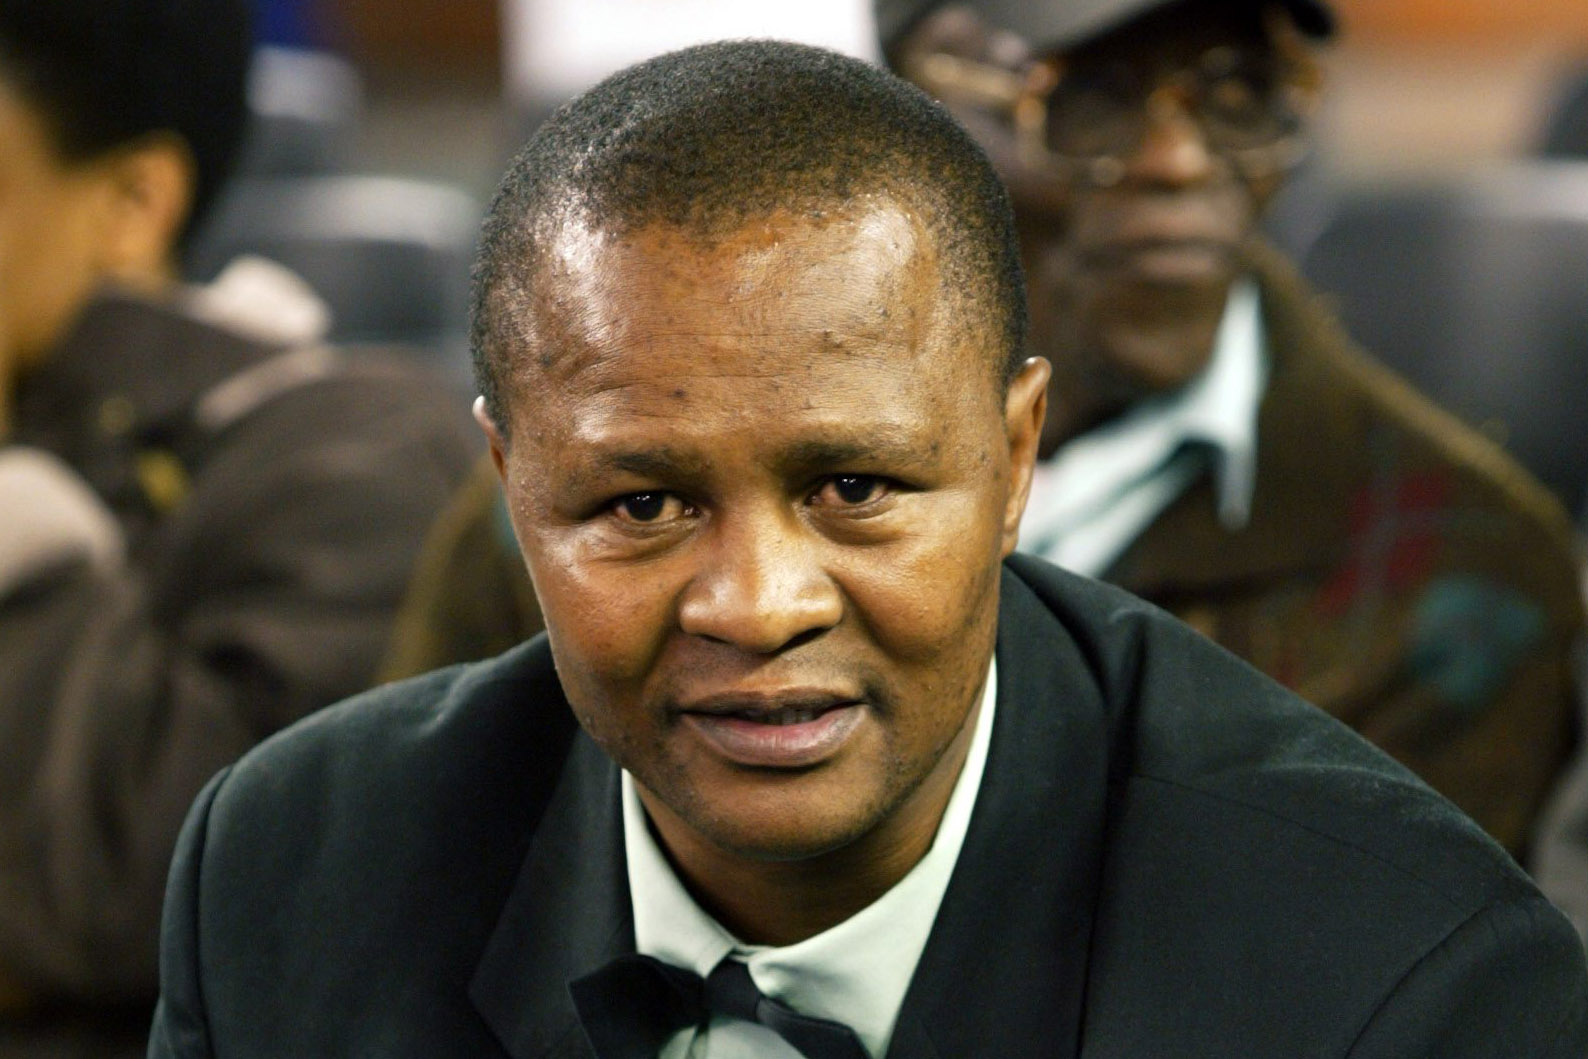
1439,84
432,72
1417,84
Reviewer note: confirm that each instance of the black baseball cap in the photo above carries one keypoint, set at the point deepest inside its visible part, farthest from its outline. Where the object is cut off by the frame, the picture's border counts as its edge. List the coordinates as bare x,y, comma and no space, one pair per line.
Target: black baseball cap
1050,24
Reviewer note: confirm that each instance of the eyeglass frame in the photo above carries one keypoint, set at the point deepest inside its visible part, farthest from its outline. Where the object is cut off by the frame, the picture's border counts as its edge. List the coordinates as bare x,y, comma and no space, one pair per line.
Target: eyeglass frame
1023,98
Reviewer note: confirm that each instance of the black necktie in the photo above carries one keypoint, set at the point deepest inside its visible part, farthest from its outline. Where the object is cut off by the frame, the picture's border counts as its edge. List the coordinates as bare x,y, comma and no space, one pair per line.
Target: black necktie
634,1004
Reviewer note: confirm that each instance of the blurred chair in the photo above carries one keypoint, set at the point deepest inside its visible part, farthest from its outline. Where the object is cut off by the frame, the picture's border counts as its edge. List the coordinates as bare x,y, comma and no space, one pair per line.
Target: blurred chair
1566,124
305,110
1476,289
389,255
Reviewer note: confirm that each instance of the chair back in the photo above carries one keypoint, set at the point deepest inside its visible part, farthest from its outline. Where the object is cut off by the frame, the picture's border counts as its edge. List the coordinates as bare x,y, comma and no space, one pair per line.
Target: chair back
1565,133
1476,289
389,255
305,107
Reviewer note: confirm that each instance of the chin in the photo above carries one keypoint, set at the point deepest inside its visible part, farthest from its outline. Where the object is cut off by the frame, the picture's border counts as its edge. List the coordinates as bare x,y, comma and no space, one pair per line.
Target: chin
1148,357
779,823
784,847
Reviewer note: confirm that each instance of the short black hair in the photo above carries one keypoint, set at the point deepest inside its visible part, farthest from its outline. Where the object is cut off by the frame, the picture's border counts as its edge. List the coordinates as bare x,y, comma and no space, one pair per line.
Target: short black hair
708,137
104,73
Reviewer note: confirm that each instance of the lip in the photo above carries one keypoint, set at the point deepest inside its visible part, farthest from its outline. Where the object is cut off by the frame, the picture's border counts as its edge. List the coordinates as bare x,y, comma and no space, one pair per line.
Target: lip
788,731
1166,260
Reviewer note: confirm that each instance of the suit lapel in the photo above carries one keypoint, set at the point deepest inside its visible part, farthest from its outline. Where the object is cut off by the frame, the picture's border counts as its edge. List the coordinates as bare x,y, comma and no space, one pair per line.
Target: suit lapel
569,913
1004,971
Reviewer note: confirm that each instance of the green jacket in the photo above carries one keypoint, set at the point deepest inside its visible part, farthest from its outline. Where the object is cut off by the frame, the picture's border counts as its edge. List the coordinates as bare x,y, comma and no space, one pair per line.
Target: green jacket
1398,570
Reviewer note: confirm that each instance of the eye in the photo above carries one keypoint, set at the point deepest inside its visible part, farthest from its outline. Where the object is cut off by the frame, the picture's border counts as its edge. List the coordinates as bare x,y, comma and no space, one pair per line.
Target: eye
1236,98
851,490
649,508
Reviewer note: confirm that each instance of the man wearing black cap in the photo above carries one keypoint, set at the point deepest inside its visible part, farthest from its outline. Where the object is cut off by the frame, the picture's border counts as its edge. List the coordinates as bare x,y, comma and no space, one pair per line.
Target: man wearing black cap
1214,442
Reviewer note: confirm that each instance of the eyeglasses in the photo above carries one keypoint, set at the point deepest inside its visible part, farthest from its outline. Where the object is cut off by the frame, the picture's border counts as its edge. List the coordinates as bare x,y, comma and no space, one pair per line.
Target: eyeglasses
1084,121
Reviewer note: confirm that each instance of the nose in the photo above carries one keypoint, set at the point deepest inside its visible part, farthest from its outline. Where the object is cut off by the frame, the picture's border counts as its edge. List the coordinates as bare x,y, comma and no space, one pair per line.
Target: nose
1174,151
761,586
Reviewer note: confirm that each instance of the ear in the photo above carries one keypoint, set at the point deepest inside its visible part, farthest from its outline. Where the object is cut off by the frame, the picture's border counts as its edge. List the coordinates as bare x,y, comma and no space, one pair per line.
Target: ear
150,184
1301,82
1303,72
493,436
1024,410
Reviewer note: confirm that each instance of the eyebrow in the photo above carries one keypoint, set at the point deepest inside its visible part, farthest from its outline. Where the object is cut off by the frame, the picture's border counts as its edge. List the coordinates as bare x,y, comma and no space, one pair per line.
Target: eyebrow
653,462
889,445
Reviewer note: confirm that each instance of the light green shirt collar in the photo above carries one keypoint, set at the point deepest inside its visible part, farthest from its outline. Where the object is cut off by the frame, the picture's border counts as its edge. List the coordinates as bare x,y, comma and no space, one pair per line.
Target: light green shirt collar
1102,489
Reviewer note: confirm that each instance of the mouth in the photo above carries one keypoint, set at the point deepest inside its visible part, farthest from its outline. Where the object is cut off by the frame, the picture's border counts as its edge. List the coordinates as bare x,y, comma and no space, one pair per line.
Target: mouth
776,732
1169,260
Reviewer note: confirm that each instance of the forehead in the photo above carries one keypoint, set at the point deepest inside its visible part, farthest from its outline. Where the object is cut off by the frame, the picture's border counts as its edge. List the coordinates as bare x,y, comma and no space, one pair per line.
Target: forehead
783,330
863,282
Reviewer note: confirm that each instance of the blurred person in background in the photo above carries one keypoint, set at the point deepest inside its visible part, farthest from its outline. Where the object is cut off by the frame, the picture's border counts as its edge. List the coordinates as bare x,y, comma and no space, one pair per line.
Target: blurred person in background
1215,443
206,516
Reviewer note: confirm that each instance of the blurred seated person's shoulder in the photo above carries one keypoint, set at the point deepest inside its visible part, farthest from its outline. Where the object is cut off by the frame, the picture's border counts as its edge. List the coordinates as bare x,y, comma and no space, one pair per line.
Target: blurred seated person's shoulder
471,597
209,513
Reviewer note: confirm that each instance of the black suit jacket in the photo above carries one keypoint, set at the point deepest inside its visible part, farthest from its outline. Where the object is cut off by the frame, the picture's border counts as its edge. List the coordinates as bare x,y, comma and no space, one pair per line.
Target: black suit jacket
1169,856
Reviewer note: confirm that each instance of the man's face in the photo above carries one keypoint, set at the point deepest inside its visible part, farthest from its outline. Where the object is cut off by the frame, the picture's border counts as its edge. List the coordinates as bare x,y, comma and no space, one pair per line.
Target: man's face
763,486
1130,251
52,216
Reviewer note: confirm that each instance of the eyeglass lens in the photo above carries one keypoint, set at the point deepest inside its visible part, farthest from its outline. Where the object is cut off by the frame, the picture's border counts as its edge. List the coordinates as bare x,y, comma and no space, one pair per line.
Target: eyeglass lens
1237,98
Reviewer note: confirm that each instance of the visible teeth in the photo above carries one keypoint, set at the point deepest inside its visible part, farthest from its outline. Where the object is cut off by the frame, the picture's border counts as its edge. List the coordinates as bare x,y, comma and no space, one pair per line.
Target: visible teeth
782,717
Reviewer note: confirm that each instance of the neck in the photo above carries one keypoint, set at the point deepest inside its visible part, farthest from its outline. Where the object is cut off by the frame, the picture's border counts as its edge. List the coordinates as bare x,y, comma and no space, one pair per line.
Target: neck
1093,383
781,902
1073,409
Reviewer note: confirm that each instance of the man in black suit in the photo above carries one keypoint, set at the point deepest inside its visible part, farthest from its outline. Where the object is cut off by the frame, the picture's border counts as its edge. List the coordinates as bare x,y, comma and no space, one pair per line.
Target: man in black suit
749,334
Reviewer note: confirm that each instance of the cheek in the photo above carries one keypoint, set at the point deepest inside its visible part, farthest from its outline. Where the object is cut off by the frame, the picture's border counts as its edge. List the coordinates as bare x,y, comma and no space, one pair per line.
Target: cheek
606,623
48,259
1240,203
1046,256
1259,193
603,642
937,639
605,620
924,598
